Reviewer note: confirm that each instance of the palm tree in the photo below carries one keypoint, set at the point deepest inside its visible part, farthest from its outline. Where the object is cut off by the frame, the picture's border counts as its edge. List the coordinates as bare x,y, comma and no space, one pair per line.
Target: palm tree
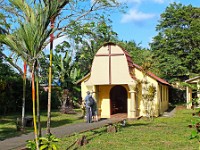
57,6
29,39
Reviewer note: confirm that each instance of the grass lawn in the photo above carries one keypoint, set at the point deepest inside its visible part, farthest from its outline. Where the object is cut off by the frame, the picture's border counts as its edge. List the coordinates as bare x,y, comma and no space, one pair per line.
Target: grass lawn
8,126
160,134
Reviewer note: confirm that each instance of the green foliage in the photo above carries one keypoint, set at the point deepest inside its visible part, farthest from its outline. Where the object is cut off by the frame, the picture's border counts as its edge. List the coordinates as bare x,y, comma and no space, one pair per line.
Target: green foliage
46,143
4,25
65,72
49,142
195,125
31,144
176,96
137,53
176,47
148,99
98,33
151,92
10,93
54,99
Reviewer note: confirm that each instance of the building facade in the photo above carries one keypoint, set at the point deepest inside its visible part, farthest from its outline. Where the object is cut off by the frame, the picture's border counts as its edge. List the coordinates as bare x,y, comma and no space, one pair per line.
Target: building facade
119,85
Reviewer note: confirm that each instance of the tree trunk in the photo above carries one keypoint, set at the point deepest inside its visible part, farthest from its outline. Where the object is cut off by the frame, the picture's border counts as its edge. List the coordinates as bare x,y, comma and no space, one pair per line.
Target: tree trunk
34,116
38,106
50,79
24,96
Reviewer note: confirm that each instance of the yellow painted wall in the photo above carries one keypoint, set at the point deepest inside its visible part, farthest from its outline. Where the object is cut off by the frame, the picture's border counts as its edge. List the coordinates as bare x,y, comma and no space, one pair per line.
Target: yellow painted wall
160,103
101,95
139,100
104,99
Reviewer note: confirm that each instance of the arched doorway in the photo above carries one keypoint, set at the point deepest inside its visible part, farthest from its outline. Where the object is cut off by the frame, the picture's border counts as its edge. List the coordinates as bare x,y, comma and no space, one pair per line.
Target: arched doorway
118,99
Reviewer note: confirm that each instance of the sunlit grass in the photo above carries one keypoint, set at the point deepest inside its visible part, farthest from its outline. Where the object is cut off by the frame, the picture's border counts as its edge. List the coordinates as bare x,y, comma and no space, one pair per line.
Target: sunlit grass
160,134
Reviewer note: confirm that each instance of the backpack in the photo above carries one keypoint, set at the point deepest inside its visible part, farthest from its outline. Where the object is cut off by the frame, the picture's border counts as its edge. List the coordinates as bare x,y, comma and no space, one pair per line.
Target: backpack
91,101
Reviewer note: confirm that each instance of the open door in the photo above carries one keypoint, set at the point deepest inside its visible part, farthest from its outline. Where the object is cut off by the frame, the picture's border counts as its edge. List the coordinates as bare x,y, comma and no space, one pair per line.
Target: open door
118,99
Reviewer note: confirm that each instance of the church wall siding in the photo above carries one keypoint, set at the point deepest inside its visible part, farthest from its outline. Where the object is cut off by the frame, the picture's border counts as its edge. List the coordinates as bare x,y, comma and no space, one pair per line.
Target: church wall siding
139,75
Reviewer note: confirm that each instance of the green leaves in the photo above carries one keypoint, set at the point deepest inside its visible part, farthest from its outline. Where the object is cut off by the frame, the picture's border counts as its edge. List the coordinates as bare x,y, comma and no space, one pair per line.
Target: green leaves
31,144
177,45
49,142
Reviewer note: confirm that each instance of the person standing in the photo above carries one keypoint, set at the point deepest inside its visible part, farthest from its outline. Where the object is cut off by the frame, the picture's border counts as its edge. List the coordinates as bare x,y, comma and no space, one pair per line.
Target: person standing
94,109
88,108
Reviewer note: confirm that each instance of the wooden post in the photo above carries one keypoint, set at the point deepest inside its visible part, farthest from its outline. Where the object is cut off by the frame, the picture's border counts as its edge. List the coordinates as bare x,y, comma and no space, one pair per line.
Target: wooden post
189,97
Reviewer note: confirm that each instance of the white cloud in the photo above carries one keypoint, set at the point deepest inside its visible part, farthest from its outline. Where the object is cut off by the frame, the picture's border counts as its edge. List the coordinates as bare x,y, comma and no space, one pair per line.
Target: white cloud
135,15
159,1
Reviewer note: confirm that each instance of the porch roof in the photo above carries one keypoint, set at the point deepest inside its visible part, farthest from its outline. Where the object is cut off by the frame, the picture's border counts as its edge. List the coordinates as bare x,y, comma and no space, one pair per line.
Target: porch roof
193,80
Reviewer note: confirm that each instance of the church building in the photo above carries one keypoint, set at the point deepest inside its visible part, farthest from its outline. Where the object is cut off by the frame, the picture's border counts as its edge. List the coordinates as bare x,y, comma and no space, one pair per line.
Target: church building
119,85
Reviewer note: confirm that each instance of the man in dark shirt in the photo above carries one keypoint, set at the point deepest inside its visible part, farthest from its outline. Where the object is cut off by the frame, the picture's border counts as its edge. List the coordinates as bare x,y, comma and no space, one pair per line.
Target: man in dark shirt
88,108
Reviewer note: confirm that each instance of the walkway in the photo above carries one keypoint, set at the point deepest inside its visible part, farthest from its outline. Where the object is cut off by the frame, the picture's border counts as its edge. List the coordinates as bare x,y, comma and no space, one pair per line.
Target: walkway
16,143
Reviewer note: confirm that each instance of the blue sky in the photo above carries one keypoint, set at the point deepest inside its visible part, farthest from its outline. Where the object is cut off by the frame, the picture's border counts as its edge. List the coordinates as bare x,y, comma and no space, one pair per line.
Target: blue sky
141,17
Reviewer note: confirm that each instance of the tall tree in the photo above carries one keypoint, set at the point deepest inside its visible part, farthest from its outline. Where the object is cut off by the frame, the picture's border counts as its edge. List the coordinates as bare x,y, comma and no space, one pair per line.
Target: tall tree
28,40
75,12
177,46
92,35
137,53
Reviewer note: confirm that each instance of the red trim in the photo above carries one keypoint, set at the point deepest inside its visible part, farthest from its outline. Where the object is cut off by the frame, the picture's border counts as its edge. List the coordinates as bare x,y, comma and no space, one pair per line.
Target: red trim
25,69
152,75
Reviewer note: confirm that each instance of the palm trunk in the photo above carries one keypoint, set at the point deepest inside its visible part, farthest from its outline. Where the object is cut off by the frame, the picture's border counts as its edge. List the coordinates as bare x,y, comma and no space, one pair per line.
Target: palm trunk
34,116
38,106
24,96
50,79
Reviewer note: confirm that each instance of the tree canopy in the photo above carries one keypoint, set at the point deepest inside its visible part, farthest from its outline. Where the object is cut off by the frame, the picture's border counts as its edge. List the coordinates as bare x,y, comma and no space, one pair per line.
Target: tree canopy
71,18
176,48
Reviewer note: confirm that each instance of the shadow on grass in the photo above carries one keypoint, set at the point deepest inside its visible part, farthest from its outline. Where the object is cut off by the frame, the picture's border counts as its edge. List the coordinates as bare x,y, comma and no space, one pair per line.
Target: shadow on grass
8,132
57,123
138,124
8,123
